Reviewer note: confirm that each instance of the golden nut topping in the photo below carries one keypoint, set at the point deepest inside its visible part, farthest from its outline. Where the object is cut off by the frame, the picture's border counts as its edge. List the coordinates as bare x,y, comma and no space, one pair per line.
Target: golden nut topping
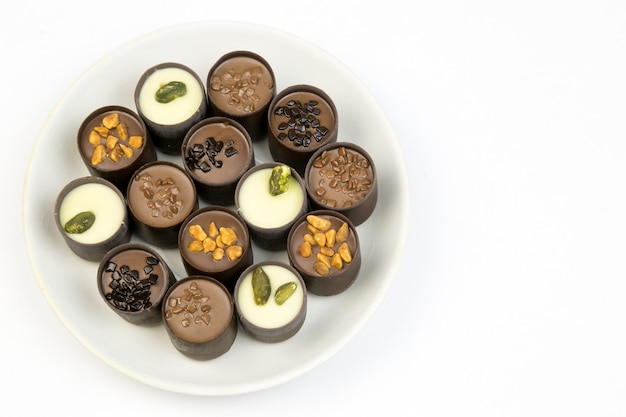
122,131
218,254
197,232
320,238
135,141
223,244
305,250
228,235
213,232
234,252
331,235
128,152
323,259
321,269
102,131
336,261
195,246
110,121
116,154
325,250
111,142
99,155
309,238
319,223
114,133
209,245
344,252
328,245
94,138
342,233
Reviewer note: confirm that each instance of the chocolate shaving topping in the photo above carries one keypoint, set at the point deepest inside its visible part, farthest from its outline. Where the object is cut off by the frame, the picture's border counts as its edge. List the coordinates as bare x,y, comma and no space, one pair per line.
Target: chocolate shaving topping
204,157
302,125
129,292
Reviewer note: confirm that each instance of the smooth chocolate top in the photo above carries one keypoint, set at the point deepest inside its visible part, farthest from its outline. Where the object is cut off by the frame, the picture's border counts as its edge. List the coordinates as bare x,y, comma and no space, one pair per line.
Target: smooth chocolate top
240,85
116,140
302,120
306,263
204,259
127,274
340,177
217,153
198,310
161,194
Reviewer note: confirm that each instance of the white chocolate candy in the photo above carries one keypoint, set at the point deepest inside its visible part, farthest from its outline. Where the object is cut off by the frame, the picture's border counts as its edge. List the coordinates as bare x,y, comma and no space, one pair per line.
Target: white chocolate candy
261,208
270,315
177,110
103,202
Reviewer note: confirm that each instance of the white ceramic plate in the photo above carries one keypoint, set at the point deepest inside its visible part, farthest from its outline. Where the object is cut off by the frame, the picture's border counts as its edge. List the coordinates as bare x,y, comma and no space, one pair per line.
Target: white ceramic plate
146,354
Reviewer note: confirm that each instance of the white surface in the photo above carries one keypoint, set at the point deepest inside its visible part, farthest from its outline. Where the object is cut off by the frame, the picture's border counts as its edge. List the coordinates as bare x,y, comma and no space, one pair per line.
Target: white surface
70,285
510,301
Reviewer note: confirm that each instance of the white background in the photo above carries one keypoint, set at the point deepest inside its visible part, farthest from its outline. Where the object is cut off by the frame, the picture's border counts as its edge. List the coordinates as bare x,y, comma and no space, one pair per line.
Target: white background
511,299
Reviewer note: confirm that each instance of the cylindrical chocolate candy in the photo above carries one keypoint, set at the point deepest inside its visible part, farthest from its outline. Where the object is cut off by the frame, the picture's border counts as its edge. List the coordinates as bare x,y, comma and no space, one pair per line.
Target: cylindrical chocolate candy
113,142
269,214
91,215
240,86
341,176
301,119
323,246
216,152
132,280
271,301
160,196
214,241
199,317
170,98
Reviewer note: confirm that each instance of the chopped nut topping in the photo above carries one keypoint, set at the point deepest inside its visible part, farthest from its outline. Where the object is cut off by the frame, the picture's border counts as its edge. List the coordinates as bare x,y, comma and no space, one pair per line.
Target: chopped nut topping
218,242
110,121
228,235
208,245
162,195
234,252
197,232
135,141
239,87
321,269
193,308
114,138
305,249
99,154
319,223
344,171
94,138
122,131
111,141
329,246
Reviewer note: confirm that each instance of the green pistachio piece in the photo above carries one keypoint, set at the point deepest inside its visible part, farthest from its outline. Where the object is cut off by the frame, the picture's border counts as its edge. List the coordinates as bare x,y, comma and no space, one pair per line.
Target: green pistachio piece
279,180
260,286
284,292
80,223
170,91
